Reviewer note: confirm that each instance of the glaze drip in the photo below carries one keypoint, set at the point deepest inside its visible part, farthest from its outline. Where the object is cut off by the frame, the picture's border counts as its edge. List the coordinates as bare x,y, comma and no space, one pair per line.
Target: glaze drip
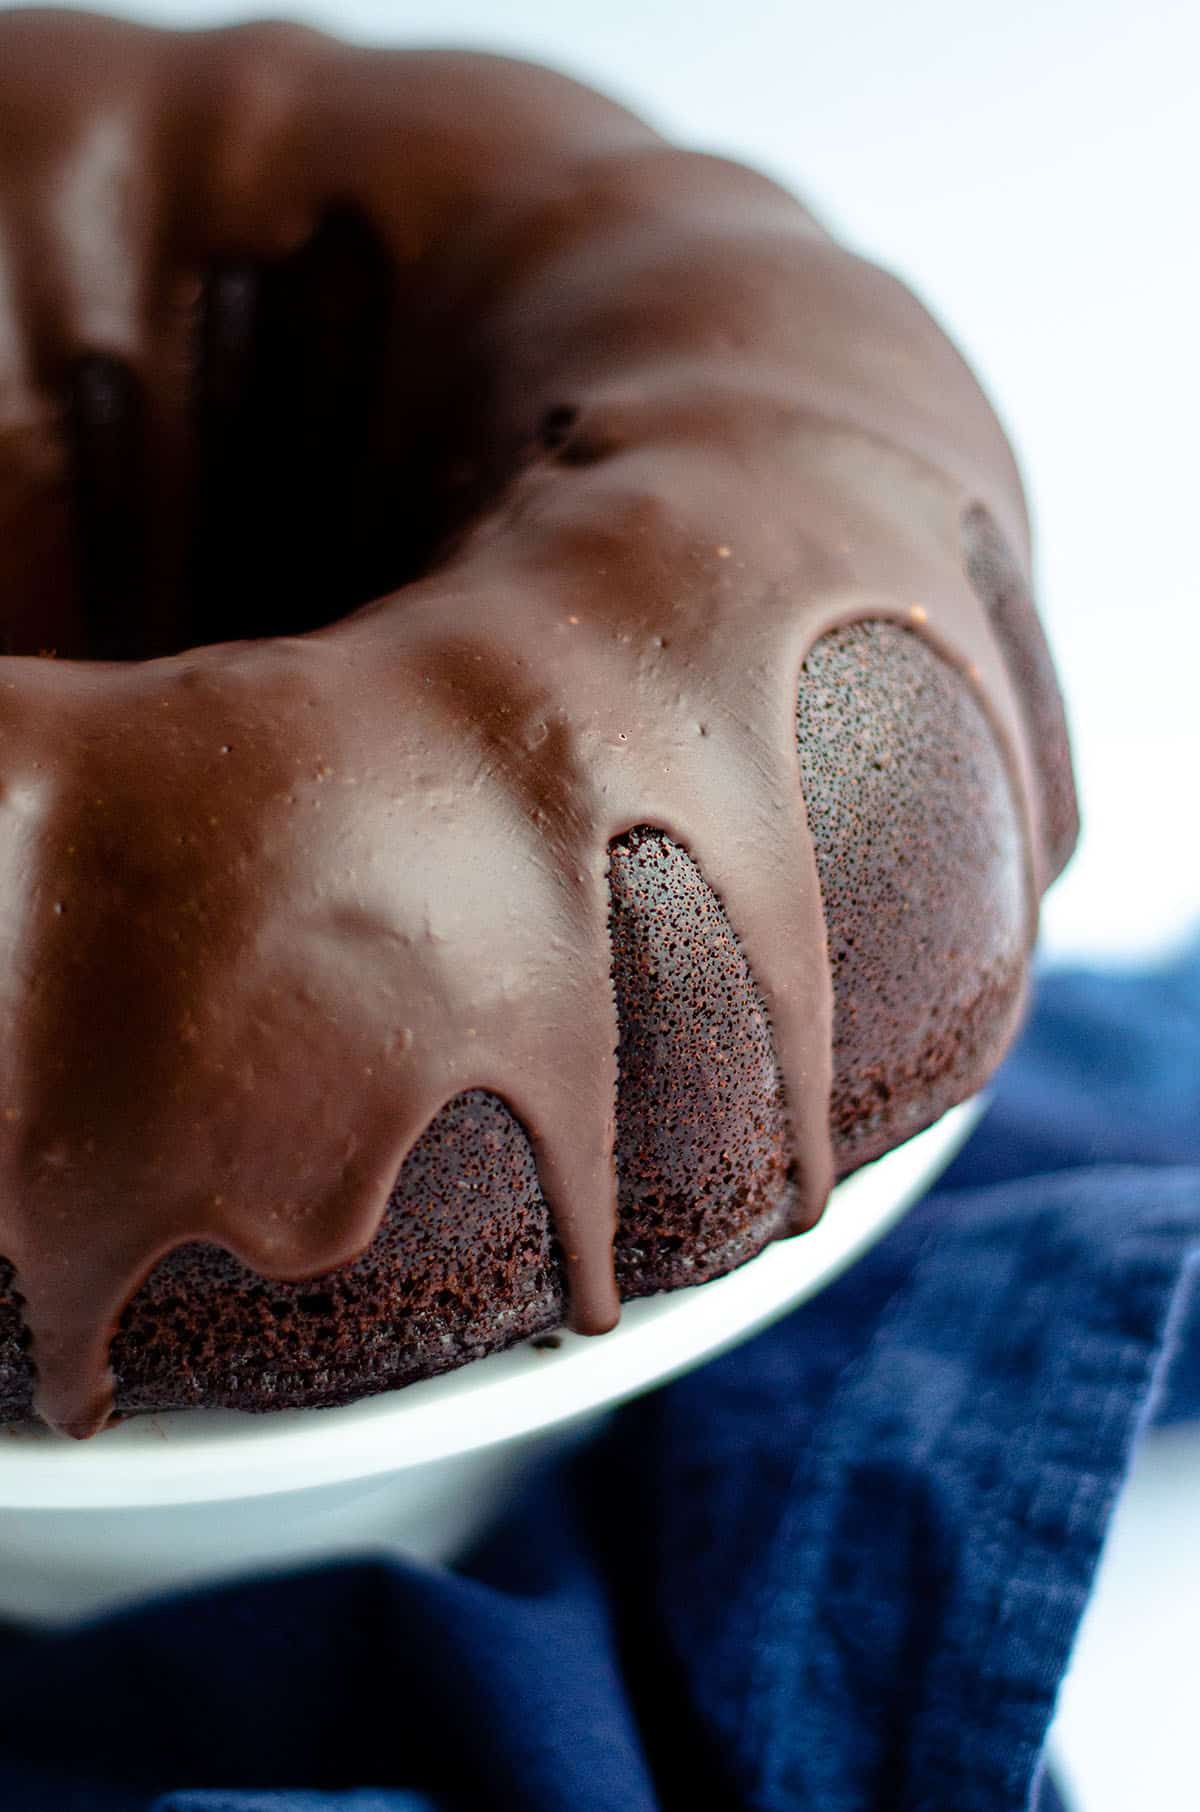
268,905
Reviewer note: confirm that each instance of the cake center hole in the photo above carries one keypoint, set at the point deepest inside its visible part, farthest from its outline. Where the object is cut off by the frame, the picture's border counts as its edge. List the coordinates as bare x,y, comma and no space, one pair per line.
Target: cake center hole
303,467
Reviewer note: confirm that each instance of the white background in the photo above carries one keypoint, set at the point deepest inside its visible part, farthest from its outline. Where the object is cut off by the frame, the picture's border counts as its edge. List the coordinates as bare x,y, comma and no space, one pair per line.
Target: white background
1035,173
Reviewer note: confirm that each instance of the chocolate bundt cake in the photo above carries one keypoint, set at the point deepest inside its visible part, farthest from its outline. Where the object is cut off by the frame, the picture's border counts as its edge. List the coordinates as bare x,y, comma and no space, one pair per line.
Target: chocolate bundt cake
527,750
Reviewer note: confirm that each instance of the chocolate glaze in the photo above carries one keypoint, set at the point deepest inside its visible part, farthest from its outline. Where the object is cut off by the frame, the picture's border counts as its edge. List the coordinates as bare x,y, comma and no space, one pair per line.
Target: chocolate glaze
639,435
919,855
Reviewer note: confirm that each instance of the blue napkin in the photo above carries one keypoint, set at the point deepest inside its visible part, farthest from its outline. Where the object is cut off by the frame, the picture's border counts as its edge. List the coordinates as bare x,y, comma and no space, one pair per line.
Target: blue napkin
837,1570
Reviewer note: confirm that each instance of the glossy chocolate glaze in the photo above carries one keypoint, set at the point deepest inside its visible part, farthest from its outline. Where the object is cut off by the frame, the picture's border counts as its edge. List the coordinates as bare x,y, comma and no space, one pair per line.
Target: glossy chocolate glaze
270,904
919,855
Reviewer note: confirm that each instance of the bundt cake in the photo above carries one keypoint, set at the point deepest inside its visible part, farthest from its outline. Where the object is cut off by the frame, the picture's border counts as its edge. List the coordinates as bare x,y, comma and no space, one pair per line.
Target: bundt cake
527,750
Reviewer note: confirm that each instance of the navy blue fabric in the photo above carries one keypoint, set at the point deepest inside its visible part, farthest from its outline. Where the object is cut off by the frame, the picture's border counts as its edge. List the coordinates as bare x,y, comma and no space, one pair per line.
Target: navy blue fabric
837,1570
1107,1072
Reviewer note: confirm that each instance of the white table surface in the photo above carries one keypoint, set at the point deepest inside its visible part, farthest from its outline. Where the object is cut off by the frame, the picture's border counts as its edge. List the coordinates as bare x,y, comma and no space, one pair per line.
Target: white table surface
1034,172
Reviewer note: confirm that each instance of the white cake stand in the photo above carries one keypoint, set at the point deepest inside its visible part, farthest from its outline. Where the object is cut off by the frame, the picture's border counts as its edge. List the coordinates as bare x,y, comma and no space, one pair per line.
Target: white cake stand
167,1500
